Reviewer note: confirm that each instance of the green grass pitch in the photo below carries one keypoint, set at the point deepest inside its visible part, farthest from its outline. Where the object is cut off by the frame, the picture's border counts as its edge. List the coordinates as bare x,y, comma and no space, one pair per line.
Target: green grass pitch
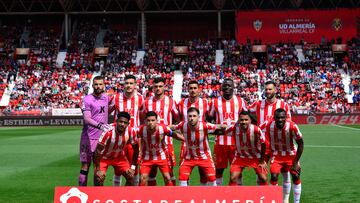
35,160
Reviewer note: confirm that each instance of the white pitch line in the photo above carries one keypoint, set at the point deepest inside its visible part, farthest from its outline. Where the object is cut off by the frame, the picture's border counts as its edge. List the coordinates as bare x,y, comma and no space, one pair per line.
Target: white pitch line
332,146
340,126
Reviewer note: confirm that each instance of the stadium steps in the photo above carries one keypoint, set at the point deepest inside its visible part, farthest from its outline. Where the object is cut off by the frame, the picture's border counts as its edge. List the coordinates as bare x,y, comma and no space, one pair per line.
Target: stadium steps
300,53
24,38
99,42
5,99
346,80
219,58
91,89
177,87
139,57
60,58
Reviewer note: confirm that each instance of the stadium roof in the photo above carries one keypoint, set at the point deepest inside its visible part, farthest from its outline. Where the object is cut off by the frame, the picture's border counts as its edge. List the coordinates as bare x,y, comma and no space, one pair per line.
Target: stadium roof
27,7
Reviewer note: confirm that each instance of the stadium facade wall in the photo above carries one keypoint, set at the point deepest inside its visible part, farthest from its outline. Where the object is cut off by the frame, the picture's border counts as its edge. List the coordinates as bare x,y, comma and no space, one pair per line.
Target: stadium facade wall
13,121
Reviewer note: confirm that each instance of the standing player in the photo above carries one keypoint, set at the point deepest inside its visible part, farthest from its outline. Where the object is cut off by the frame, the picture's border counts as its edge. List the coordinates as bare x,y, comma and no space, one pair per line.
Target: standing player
197,149
110,151
265,110
285,155
95,109
226,108
129,101
202,105
165,108
153,148
250,149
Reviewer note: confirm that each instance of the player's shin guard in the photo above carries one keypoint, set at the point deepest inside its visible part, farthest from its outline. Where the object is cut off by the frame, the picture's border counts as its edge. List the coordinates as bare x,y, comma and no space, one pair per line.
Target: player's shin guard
173,180
219,181
83,178
286,186
183,183
297,191
240,180
116,180
136,179
152,181
169,183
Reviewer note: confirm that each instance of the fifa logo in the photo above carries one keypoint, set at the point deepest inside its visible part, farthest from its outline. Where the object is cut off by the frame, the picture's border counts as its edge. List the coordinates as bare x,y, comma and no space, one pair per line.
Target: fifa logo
336,24
74,192
257,24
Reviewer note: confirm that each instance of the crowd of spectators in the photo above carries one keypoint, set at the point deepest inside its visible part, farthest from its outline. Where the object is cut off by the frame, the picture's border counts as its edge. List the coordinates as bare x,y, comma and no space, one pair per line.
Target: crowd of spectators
315,84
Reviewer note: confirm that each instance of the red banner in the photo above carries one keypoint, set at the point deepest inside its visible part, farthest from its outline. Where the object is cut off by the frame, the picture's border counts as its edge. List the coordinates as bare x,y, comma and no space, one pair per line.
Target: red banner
342,119
312,25
222,194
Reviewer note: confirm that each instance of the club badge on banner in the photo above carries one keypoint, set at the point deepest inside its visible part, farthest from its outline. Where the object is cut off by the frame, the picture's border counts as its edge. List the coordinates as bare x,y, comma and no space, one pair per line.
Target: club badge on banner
198,194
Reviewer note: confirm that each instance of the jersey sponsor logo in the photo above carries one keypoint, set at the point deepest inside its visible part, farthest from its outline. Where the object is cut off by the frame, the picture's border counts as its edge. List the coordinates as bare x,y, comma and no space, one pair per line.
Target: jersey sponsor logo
102,109
74,192
229,116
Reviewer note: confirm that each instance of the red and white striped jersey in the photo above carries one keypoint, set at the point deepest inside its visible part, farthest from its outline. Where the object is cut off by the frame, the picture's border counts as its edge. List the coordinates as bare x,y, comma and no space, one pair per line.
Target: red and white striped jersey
265,111
202,104
227,112
282,140
131,105
114,142
248,143
153,146
165,109
196,142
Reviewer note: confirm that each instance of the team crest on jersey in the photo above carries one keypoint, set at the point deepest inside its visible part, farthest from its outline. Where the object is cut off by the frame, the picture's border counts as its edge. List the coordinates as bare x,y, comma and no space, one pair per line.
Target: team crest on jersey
257,24
336,24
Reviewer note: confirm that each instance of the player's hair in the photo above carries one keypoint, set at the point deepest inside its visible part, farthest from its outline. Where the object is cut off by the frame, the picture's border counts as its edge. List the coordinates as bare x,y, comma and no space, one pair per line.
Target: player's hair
159,79
193,82
248,113
123,114
98,78
270,82
151,113
278,111
193,109
129,77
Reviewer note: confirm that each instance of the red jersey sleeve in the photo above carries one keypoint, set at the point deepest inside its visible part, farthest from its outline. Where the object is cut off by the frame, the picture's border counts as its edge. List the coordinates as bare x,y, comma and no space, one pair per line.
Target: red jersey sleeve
296,131
252,107
210,127
133,139
104,137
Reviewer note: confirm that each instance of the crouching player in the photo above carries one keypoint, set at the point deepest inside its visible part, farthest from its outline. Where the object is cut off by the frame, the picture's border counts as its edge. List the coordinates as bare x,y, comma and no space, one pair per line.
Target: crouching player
153,148
110,151
250,149
285,155
197,150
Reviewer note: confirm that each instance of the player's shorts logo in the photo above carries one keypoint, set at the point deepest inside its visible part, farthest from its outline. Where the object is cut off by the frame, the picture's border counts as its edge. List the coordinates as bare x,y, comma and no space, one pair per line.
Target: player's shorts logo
74,192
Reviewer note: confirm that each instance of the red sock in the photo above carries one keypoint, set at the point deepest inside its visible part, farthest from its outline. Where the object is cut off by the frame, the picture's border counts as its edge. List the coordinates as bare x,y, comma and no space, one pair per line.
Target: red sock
231,183
152,182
